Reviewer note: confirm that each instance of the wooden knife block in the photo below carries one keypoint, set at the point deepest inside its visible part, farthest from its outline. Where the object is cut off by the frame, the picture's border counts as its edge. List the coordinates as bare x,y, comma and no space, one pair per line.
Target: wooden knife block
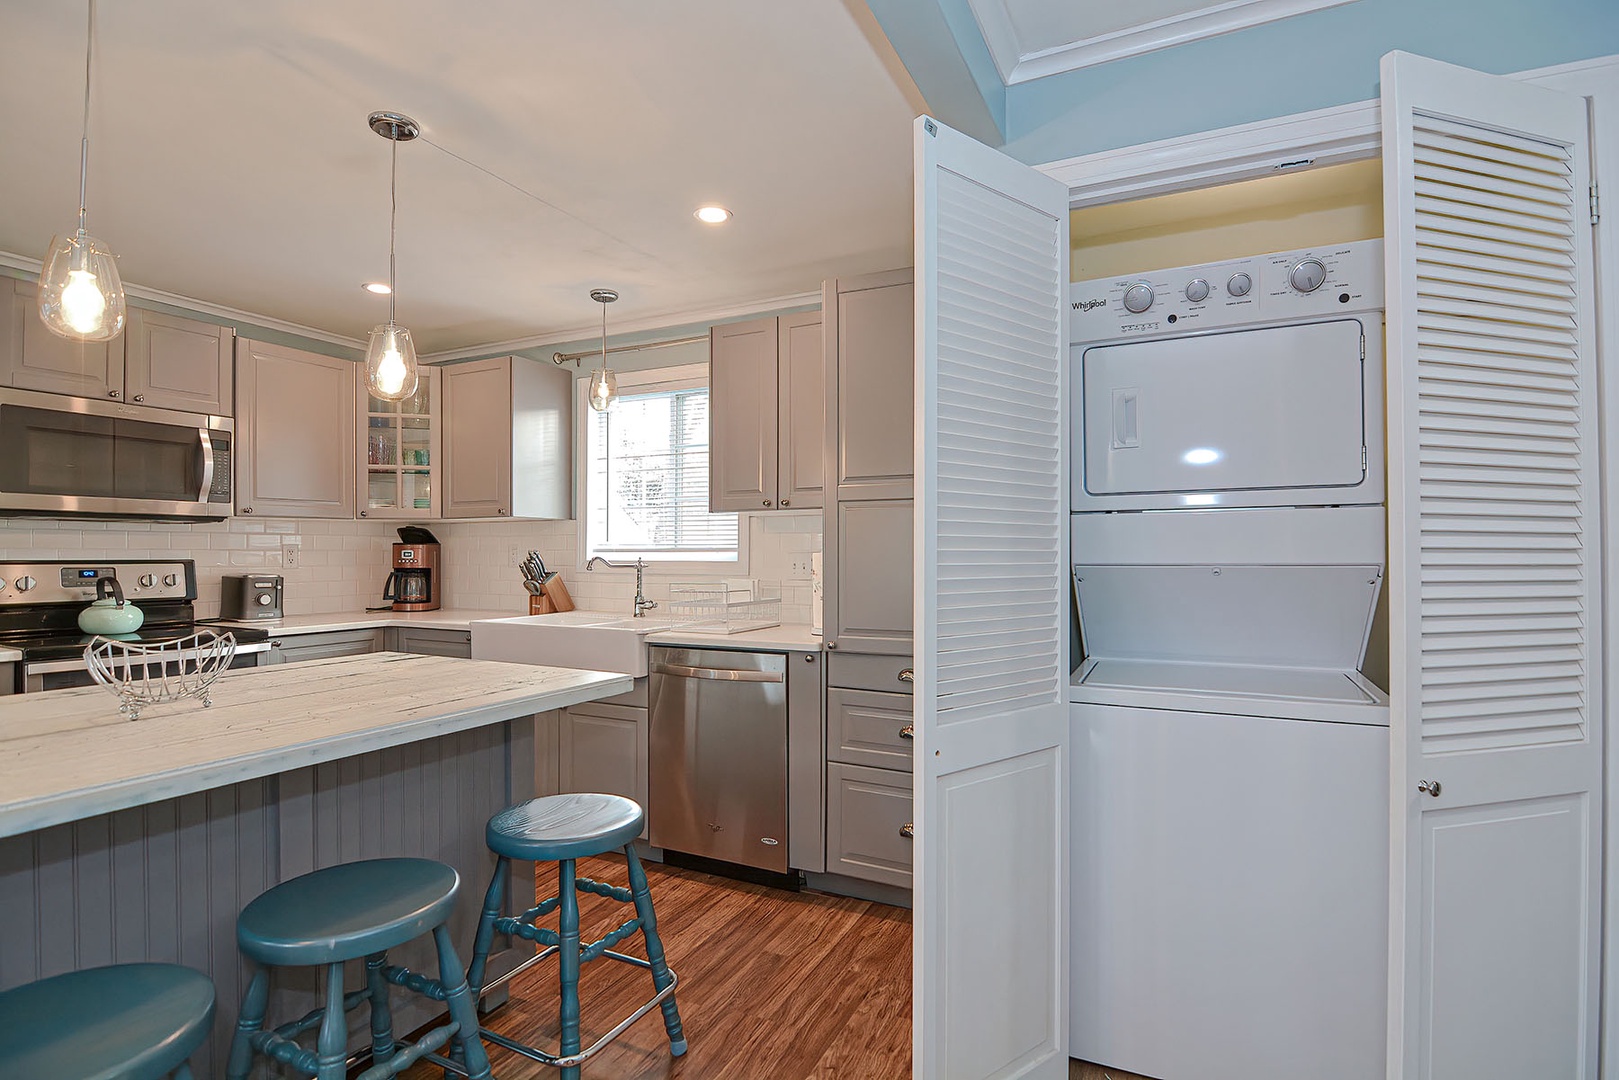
540,605
553,598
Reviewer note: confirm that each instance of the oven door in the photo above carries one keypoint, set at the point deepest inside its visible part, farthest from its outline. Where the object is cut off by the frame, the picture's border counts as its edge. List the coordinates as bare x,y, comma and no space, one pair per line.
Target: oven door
66,674
65,455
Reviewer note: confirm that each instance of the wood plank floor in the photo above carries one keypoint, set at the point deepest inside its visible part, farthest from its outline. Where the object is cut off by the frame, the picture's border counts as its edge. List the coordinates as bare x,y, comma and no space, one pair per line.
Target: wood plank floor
774,986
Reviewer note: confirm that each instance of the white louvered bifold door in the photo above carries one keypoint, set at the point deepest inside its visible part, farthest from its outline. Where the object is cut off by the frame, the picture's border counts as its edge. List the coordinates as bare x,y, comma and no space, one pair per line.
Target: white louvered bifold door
991,846
1494,579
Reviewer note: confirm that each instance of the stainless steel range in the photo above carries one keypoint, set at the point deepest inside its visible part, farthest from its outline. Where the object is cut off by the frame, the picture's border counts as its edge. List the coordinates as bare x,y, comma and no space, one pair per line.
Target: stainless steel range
40,603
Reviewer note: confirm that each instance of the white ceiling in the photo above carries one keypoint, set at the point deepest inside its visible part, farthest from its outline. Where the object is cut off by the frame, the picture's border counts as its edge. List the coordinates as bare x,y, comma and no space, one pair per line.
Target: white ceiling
231,161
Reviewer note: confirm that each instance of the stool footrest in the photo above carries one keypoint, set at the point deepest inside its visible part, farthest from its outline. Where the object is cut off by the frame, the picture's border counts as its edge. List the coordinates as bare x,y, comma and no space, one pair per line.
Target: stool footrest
612,892
425,985
611,938
409,1054
311,1020
278,1047
536,1054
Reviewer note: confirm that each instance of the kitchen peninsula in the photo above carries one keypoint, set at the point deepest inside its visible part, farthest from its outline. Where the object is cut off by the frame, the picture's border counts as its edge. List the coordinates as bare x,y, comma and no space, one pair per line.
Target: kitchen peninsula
123,840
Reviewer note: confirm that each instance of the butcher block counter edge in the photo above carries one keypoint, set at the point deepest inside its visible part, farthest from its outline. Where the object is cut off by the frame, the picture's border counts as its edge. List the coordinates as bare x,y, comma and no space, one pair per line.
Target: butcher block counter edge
68,754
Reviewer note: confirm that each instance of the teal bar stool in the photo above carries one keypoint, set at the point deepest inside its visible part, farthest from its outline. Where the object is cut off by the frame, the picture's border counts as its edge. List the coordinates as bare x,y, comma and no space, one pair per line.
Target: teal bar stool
129,1022
346,912
561,829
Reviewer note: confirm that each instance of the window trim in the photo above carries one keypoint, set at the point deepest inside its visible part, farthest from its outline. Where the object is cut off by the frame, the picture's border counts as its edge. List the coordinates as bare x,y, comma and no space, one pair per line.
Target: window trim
673,377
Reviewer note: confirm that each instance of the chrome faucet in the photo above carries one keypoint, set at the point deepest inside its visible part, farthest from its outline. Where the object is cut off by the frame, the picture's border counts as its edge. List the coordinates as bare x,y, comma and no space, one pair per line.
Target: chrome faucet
642,604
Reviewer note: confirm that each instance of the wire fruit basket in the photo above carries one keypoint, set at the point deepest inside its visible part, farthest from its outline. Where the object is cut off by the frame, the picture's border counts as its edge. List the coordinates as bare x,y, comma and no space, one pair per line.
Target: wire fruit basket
727,606
140,674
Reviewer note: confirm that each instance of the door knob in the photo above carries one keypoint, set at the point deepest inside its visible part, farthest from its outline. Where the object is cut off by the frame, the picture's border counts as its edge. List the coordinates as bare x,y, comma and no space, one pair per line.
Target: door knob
1429,787
140,397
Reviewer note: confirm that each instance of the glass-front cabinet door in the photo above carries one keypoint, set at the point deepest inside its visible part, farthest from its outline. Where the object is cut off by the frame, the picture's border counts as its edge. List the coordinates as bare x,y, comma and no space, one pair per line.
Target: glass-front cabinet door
400,449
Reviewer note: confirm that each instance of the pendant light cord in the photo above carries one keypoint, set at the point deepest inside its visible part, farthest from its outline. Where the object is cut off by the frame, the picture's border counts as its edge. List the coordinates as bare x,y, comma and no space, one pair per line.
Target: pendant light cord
84,138
604,335
393,215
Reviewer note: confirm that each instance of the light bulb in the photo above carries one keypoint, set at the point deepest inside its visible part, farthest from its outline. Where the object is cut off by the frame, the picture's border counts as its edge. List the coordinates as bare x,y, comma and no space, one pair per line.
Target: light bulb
82,303
391,372
603,389
390,363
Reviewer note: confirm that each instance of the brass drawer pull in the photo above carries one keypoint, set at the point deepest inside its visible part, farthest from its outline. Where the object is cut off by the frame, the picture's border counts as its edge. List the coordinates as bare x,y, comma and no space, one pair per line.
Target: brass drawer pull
908,831
907,675
908,731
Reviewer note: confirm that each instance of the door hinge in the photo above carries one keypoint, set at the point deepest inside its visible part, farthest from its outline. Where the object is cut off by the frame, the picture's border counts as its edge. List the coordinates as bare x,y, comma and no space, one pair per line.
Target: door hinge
1596,205
1363,459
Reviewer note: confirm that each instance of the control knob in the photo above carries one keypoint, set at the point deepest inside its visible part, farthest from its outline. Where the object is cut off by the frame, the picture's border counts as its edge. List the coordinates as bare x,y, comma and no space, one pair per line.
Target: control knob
1239,285
1307,275
171,580
25,583
1138,298
1197,290
146,581
265,600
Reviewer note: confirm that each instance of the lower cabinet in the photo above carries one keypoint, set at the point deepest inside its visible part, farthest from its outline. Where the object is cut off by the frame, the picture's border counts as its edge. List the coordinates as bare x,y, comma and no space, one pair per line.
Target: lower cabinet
8,678
293,648
603,748
868,823
430,642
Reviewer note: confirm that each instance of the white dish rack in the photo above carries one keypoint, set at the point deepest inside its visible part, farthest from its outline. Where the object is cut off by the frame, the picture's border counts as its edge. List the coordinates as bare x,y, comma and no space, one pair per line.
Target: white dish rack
726,606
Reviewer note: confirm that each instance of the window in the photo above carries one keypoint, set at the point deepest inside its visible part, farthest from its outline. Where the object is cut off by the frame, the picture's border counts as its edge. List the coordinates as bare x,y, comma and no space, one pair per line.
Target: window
646,472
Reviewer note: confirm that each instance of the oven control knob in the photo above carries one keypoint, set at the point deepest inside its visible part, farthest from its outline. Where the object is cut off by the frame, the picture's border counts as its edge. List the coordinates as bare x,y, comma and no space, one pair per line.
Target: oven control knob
1307,275
265,600
1197,290
171,580
1138,298
25,583
1239,285
146,581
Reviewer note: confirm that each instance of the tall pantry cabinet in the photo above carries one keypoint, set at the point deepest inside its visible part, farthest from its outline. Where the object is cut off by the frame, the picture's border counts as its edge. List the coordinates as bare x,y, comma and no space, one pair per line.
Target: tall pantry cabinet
867,556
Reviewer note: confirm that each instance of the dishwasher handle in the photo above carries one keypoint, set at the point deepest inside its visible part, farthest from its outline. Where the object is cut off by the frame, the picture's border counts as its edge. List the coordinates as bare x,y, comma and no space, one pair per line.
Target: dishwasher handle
718,674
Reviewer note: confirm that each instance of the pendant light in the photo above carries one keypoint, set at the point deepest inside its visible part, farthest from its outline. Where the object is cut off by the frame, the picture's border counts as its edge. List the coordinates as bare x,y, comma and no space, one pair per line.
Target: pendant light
80,294
390,355
603,386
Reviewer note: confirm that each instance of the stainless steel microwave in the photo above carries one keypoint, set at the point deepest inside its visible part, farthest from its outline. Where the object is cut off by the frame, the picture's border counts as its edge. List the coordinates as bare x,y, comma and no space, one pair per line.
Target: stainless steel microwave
64,455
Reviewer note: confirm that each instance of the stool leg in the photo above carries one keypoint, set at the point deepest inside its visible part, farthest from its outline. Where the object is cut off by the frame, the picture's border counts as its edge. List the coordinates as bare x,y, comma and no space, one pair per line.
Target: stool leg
332,1044
248,1022
463,1010
382,1022
493,902
182,1073
654,950
569,956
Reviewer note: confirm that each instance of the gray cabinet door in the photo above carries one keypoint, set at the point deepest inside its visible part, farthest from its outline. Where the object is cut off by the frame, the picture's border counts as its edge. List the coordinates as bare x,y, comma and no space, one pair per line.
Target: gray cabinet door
867,560
431,642
868,817
604,749
742,410
294,433
175,363
33,358
870,339
801,439
478,438
297,648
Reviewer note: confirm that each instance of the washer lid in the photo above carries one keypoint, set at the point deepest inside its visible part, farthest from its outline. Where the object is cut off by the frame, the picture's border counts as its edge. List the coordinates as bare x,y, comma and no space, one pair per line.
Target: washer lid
1293,616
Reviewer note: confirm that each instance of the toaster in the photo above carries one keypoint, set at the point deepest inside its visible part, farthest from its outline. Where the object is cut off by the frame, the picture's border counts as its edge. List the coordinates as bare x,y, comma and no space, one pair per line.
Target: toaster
250,596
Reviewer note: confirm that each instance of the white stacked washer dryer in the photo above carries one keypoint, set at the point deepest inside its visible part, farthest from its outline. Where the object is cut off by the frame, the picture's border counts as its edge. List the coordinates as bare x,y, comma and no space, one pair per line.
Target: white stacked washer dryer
1230,792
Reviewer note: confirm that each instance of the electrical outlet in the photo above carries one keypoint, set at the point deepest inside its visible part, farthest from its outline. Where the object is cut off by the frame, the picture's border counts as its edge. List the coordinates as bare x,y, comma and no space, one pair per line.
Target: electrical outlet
292,554
515,554
799,567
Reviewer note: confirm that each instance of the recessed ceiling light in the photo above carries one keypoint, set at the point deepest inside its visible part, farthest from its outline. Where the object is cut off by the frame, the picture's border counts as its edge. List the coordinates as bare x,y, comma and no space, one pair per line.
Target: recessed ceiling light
378,287
713,215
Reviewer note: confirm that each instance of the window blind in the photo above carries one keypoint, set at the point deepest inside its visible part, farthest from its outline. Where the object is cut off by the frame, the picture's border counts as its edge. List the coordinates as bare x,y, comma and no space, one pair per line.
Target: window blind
648,478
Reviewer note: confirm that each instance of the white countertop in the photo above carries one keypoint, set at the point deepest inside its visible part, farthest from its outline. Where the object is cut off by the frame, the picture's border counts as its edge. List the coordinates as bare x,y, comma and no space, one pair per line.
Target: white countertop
69,754
9,655
793,637
443,619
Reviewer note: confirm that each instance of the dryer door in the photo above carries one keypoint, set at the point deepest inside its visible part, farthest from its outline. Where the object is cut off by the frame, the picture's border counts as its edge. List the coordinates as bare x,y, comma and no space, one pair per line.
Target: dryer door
1272,416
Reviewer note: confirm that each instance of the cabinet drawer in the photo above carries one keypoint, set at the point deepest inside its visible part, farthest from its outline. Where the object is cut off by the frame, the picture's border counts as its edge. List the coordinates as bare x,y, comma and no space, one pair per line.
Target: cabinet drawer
864,727
432,642
296,648
856,672
866,811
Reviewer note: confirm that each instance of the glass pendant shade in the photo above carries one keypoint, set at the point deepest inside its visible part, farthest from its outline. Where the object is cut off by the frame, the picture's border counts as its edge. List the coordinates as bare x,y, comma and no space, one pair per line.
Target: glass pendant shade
80,293
390,363
603,389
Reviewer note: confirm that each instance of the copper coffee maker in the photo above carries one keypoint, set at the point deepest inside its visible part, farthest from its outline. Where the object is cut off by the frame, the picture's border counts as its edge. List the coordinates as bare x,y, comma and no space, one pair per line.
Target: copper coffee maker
415,583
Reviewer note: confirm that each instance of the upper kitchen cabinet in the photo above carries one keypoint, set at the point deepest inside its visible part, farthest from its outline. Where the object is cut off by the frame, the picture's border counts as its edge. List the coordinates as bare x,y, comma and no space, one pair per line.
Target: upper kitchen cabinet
175,363
767,414
508,439
162,361
870,345
401,450
295,433
33,358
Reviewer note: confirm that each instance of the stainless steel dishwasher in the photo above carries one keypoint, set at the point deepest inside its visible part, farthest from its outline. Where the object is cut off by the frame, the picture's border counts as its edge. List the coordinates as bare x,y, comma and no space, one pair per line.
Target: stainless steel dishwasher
718,748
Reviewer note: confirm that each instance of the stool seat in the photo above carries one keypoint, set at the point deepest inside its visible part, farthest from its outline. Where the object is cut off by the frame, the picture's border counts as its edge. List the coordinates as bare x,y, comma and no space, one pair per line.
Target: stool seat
130,1021
564,827
347,911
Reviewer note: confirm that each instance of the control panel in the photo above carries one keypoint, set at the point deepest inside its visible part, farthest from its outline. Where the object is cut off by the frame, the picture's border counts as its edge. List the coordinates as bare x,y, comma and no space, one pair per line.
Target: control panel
35,583
1282,286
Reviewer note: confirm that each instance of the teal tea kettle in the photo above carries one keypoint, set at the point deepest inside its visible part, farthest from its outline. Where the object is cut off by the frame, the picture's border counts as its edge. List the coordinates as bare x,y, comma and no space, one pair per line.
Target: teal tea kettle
110,613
